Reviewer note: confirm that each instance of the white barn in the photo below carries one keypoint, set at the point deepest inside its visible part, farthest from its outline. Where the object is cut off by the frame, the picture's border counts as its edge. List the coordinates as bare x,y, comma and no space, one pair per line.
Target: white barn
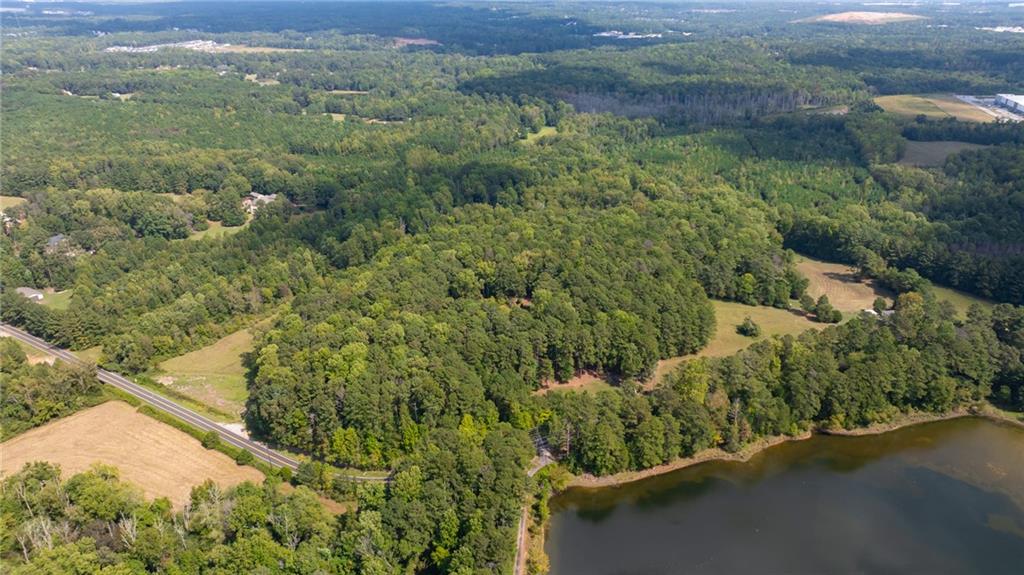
1012,102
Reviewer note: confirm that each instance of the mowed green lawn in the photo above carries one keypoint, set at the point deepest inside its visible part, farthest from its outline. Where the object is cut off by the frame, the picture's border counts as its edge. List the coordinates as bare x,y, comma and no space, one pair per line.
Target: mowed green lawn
213,375
57,300
217,230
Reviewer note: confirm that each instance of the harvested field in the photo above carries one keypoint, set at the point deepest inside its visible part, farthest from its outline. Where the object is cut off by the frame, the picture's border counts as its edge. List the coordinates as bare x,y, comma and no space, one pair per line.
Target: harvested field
936,106
161,460
336,117
931,154
213,375
870,18
840,283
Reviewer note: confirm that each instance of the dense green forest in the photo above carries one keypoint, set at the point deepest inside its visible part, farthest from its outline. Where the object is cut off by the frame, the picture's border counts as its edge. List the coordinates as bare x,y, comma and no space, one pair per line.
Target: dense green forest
435,214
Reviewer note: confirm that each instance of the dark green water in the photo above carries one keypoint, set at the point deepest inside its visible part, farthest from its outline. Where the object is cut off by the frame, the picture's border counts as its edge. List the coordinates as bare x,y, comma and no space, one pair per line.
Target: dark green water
940,498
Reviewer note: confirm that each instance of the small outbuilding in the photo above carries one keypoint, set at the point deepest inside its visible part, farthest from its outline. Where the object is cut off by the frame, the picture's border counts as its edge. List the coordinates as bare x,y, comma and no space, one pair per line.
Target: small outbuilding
30,293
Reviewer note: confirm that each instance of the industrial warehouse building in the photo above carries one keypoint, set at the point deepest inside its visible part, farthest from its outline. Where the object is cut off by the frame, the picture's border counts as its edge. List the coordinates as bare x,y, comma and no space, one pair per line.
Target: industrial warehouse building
1012,102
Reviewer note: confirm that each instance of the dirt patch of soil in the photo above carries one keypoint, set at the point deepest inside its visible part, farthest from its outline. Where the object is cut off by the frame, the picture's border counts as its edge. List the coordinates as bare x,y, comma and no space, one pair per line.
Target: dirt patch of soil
160,459
584,381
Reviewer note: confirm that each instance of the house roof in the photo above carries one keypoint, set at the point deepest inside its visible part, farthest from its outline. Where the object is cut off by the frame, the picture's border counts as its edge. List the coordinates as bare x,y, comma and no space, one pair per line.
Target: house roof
30,293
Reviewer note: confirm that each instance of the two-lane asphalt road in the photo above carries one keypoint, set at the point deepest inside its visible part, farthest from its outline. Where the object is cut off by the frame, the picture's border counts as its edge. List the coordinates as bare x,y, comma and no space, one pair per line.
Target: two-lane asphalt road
156,400
262,452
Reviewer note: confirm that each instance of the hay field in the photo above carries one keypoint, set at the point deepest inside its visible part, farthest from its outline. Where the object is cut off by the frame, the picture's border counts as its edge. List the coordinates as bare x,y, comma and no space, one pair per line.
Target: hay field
935,106
932,154
840,283
161,460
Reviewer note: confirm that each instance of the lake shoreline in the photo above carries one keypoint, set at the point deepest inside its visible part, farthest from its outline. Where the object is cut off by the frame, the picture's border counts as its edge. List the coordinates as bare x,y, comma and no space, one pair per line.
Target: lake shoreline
987,411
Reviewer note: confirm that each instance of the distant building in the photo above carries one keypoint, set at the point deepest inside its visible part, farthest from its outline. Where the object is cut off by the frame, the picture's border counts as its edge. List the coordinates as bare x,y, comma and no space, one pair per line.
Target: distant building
56,243
32,294
1012,102
255,201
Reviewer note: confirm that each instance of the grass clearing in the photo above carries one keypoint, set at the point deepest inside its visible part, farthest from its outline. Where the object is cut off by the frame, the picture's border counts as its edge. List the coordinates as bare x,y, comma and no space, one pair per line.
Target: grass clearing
961,301
544,132
931,154
214,375
57,299
936,106
217,230
10,202
92,354
348,92
161,460
728,315
850,295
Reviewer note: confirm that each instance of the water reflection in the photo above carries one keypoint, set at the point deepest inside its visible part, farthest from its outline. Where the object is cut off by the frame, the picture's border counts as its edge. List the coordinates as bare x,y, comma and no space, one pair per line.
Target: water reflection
937,498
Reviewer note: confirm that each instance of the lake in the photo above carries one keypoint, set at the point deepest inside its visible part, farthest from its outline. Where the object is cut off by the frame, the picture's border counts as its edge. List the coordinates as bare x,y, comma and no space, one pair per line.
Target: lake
944,497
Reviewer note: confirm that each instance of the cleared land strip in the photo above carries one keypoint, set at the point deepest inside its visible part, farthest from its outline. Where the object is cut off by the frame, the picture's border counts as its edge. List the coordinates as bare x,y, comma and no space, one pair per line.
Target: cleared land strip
261,452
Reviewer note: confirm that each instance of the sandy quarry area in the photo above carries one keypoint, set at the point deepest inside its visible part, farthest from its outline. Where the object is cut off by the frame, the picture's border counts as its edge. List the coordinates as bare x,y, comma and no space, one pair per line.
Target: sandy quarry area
160,459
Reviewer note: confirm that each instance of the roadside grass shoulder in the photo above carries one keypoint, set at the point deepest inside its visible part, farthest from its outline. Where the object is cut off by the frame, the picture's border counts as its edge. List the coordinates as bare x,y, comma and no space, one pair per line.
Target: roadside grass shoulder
213,375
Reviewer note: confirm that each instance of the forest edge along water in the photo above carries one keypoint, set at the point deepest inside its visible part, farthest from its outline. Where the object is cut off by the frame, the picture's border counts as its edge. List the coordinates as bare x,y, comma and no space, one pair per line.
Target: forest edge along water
758,446
867,495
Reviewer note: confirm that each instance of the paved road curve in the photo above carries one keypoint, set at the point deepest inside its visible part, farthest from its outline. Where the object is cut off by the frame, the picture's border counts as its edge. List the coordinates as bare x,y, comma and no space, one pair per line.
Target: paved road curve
160,402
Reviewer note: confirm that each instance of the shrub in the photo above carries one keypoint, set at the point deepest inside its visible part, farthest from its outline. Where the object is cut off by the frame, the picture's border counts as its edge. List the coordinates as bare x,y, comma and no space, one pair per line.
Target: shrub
245,457
748,328
211,440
